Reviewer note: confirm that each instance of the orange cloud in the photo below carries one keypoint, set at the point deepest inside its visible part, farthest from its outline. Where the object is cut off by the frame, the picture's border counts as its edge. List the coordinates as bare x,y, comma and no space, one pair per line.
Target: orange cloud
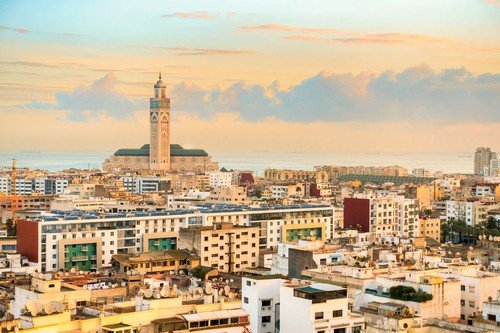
289,28
192,15
187,51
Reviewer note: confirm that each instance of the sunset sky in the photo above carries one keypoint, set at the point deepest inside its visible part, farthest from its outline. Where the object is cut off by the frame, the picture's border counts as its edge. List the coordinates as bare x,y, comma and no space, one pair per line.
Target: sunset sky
316,75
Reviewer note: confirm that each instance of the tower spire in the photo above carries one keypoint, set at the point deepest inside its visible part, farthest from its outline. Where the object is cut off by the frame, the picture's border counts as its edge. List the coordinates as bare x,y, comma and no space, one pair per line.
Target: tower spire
159,76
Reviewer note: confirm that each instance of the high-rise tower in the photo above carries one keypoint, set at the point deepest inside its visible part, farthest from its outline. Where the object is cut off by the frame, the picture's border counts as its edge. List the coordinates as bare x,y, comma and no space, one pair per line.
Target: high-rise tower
159,119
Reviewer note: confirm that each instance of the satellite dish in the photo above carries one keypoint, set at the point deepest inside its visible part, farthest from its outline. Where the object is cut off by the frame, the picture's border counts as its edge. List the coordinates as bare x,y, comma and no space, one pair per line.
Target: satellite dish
48,308
231,295
480,237
66,274
227,281
148,293
191,289
123,284
129,273
81,272
73,270
59,307
164,292
227,290
199,290
156,295
106,272
231,280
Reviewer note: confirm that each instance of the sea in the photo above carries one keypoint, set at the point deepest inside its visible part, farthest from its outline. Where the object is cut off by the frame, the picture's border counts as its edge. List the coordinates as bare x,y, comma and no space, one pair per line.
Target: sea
258,161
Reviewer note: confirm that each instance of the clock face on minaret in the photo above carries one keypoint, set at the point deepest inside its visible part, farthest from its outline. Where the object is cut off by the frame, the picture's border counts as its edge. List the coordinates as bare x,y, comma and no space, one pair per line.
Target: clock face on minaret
159,153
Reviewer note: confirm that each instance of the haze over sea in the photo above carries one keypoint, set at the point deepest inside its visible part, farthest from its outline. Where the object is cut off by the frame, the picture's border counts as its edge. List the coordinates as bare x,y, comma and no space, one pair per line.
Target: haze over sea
260,160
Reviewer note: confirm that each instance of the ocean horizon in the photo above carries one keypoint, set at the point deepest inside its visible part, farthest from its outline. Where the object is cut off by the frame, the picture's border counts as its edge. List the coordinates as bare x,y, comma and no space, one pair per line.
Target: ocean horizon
258,161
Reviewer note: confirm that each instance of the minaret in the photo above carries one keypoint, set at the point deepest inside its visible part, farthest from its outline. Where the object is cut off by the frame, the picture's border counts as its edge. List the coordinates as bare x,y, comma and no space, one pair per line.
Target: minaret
159,119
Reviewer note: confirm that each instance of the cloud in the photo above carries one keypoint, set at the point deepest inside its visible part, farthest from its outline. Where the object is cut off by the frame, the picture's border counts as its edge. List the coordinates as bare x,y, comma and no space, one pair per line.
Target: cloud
333,35
415,94
19,30
289,28
100,97
187,51
199,15
25,31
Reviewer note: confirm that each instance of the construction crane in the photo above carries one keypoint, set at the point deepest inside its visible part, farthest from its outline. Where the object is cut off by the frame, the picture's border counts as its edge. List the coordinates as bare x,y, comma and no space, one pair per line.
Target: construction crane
13,197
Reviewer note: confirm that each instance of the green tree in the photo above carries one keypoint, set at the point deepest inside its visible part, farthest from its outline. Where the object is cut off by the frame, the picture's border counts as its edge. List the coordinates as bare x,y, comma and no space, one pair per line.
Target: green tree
11,228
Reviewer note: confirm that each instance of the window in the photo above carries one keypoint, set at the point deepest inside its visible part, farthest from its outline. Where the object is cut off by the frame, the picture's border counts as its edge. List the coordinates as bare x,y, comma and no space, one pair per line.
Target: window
318,315
266,319
462,302
266,302
336,313
472,304
249,283
245,300
472,289
339,330
356,329
462,287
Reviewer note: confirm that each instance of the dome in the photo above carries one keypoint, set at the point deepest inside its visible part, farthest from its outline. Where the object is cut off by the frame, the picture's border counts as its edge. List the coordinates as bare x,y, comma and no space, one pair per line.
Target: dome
160,84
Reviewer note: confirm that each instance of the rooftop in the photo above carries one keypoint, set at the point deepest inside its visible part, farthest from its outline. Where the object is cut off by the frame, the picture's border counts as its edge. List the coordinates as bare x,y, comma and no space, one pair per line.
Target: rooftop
397,180
175,150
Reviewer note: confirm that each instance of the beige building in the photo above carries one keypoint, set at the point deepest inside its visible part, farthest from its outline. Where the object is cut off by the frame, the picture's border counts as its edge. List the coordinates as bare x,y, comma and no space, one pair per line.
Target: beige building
155,262
228,195
160,154
430,227
285,175
223,246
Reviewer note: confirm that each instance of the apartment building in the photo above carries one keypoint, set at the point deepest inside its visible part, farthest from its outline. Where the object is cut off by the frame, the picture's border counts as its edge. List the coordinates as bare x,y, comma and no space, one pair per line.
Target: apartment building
261,300
221,179
317,307
141,185
155,262
29,186
224,246
228,195
476,287
430,227
382,213
45,240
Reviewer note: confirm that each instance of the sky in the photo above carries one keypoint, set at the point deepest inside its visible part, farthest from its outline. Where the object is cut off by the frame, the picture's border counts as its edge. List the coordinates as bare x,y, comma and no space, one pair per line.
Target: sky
316,75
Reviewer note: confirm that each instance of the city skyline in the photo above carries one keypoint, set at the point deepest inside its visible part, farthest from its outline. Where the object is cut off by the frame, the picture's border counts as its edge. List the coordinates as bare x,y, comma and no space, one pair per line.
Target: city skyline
414,78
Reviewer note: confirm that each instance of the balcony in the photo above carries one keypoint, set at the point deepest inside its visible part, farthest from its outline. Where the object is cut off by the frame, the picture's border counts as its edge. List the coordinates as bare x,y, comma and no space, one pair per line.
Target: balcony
79,258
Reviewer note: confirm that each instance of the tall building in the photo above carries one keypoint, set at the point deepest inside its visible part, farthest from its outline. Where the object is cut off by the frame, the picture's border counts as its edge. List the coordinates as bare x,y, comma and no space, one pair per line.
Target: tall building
160,154
159,121
482,159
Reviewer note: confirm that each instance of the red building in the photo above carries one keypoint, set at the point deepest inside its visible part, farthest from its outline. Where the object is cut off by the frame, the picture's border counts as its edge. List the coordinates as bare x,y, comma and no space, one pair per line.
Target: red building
357,213
27,239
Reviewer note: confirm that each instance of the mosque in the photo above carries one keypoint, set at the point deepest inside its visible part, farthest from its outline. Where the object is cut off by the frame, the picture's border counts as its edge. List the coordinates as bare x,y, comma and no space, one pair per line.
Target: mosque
160,155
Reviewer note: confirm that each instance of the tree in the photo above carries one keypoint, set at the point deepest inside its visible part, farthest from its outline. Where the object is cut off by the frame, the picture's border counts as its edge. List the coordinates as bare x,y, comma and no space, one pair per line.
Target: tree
11,228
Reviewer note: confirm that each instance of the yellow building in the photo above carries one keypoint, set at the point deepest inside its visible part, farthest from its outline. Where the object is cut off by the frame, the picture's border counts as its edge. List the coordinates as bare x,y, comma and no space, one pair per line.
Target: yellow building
430,227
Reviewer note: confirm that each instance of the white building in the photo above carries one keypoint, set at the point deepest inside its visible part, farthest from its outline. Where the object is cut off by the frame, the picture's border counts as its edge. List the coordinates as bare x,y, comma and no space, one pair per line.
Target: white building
141,185
316,307
476,287
278,191
460,210
261,299
220,179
